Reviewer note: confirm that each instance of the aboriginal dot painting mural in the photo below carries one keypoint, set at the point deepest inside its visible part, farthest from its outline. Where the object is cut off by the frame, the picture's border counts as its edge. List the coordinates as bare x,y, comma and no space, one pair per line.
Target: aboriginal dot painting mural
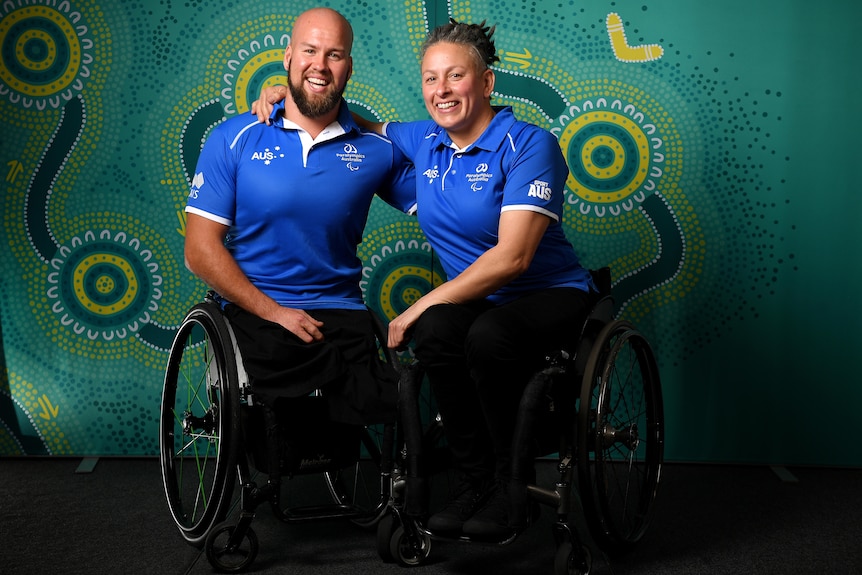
712,158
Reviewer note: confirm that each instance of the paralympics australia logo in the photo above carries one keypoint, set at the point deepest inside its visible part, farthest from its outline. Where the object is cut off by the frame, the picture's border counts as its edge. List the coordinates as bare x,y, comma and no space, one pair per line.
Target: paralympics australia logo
351,157
197,184
479,178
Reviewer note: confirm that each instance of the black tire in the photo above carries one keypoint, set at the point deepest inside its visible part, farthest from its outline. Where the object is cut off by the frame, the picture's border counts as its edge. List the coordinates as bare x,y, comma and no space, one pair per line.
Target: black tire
409,553
385,531
620,436
199,423
227,558
567,562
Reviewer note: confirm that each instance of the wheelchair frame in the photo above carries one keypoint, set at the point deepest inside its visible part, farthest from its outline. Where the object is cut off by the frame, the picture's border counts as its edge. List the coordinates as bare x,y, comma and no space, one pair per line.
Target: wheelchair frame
610,384
206,403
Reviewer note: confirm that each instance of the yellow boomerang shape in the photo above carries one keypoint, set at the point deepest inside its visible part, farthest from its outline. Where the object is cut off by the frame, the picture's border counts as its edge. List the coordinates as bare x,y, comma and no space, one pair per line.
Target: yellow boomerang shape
621,48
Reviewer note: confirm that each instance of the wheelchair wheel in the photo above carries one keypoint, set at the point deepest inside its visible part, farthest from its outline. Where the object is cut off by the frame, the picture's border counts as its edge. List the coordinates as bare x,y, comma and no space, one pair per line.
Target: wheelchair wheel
228,557
385,530
410,551
199,424
568,561
620,436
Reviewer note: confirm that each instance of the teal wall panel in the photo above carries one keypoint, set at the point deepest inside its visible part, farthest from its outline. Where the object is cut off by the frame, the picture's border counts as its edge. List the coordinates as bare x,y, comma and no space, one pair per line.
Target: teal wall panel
712,159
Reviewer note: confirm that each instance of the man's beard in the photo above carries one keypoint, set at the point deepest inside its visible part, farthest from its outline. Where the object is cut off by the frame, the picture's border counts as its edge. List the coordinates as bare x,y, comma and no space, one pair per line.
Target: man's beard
316,107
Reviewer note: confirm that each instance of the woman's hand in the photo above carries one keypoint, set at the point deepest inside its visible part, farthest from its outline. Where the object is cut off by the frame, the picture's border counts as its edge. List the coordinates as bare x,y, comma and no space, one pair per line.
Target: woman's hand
400,328
262,107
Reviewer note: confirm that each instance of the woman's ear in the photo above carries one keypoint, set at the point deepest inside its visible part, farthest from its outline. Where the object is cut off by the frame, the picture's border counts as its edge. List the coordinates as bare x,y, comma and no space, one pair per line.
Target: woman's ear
489,78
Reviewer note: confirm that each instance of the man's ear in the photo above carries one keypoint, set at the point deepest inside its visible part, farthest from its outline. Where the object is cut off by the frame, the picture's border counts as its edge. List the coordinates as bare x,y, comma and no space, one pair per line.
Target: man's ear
286,60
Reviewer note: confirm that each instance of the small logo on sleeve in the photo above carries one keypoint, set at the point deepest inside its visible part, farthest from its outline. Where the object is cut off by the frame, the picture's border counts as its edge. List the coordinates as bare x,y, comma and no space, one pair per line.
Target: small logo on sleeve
540,189
197,184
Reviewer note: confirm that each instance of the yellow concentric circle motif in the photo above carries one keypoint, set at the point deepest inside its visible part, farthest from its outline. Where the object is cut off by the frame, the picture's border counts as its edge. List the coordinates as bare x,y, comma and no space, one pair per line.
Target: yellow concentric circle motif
104,283
264,69
41,51
605,171
608,156
389,288
47,56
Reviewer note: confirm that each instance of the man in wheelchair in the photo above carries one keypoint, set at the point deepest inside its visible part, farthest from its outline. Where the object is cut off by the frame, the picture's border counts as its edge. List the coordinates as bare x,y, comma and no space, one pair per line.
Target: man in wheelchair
275,214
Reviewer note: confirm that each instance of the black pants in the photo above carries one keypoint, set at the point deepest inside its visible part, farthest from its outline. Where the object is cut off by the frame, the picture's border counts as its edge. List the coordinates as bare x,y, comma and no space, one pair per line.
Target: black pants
360,388
479,358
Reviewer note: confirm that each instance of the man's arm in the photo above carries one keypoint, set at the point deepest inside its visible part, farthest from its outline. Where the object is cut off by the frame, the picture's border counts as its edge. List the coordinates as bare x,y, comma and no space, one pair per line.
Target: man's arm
207,257
262,108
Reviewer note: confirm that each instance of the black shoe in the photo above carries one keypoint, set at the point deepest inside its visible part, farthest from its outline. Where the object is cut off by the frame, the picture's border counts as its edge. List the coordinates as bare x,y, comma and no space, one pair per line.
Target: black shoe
506,513
491,522
465,501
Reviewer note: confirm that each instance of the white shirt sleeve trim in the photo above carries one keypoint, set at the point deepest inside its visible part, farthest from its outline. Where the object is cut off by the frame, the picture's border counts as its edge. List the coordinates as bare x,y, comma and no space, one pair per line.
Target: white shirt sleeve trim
209,216
529,208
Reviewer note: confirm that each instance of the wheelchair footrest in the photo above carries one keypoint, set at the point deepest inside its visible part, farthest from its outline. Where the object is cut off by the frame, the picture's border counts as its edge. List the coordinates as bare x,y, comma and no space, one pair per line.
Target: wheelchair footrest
316,512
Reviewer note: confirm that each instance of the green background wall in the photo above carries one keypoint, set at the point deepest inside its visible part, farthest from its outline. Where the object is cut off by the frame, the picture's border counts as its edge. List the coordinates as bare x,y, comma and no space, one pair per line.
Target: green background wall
713,158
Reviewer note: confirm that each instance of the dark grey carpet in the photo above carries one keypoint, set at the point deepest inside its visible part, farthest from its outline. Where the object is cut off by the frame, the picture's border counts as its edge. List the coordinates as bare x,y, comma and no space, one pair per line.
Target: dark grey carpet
711,519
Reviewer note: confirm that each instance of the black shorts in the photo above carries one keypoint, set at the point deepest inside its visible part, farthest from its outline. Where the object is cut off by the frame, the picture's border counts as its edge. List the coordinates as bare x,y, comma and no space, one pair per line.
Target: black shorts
345,366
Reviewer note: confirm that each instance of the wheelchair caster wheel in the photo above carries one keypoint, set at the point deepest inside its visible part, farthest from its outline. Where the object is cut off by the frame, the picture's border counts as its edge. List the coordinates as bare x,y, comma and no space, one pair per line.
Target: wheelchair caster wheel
409,551
569,562
227,557
385,532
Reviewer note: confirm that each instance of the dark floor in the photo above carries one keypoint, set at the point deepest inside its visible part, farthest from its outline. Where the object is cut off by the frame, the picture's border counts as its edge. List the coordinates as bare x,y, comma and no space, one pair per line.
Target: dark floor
710,519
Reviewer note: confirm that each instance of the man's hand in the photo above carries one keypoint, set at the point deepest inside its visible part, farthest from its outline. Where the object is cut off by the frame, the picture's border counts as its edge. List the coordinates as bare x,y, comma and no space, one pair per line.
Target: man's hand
300,324
262,107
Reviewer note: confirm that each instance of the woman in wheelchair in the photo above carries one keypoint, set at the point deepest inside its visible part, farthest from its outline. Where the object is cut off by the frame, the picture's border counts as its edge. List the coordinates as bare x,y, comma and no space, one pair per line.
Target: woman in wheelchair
493,214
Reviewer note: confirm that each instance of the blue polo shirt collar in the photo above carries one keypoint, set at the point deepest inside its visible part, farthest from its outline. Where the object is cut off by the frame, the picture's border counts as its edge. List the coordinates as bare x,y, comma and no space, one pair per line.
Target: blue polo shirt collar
492,138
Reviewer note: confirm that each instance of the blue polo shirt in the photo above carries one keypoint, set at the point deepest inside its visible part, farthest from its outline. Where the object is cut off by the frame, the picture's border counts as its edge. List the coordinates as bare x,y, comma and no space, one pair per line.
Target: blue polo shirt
460,195
296,207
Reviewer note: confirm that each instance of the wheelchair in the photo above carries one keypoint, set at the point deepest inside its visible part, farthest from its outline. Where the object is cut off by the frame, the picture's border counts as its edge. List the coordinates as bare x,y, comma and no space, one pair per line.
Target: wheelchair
604,405
215,434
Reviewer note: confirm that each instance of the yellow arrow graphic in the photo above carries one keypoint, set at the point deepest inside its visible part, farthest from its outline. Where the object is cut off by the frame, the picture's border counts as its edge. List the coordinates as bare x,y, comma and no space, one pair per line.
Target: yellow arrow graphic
181,215
15,168
523,60
48,409
621,48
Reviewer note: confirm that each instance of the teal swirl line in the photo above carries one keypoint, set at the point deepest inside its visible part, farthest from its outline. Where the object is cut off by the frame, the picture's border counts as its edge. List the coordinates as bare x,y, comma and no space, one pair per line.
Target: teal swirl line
51,164
157,336
666,265
542,95
197,126
27,437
